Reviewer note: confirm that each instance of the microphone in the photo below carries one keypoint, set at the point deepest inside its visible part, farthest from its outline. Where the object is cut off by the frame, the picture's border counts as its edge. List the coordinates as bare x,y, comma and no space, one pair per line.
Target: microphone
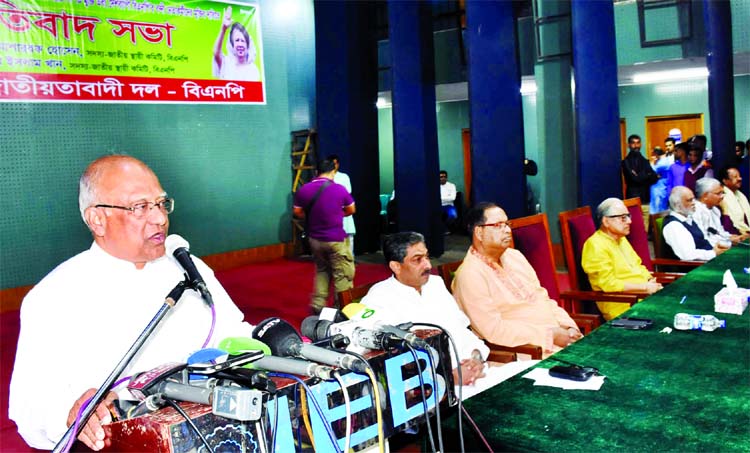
382,337
180,250
236,345
283,340
405,335
186,392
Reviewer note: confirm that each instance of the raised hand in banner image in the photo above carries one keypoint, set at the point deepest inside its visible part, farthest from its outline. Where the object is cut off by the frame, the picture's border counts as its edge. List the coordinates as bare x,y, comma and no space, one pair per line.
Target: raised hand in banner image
239,61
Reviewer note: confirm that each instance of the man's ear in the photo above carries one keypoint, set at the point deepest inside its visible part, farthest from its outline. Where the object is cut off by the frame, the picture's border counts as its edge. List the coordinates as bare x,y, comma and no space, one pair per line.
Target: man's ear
475,235
395,267
96,220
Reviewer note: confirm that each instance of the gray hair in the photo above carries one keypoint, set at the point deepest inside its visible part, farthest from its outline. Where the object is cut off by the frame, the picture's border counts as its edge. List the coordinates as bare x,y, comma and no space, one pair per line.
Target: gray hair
675,199
395,245
87,188
703,185
88,184
605,207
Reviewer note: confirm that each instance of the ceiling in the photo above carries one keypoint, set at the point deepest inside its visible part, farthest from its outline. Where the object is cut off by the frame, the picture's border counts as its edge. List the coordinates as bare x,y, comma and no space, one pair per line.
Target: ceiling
459,91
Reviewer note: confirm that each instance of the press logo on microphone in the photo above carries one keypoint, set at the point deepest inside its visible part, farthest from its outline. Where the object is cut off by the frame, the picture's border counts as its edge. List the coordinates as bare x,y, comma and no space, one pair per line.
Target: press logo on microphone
268,325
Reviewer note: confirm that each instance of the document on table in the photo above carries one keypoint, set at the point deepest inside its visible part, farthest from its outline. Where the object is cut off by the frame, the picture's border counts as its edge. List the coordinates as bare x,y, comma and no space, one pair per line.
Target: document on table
541,377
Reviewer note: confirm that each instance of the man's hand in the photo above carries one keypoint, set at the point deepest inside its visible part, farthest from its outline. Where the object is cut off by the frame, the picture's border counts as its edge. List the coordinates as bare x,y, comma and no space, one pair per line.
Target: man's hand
652,286
471,370
93,434
720,248
562,336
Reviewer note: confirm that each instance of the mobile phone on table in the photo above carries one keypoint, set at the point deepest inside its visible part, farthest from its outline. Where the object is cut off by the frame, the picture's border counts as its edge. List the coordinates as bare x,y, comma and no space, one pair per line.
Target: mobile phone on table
231,361
573,372
632,323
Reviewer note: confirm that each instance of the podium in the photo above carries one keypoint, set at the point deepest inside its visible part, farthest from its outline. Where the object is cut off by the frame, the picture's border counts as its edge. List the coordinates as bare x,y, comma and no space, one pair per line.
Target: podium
400,395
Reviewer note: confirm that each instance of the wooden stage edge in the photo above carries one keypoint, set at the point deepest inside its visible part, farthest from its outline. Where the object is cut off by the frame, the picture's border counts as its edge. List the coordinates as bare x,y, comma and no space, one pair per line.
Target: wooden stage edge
10,298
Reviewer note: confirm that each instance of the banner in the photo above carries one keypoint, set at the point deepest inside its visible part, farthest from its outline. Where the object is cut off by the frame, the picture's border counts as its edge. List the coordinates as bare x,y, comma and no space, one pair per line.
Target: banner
130,51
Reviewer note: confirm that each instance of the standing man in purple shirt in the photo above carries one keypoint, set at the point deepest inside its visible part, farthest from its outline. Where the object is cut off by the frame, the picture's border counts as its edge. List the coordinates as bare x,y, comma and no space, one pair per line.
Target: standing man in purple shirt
676,175
324,204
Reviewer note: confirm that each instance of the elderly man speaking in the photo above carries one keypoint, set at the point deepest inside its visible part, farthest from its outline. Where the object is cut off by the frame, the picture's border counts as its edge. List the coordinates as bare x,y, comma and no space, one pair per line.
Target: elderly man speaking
80,320
610,261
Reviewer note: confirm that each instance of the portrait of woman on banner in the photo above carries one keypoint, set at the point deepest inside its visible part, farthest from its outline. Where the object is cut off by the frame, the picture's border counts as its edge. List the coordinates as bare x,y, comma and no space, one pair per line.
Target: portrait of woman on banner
238,63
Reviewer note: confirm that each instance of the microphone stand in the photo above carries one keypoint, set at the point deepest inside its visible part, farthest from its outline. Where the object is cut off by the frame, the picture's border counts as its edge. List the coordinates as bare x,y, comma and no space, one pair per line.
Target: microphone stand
172,298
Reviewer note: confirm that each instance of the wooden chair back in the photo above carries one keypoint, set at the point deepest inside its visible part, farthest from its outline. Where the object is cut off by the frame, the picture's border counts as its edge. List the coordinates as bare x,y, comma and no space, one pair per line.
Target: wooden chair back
638,236
657,223
576,226
447,271
531,237
354,294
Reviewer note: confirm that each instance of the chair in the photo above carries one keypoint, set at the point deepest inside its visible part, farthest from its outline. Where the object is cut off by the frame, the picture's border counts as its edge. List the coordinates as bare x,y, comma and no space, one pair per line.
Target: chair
354,294
576,226
531,237
447,271
660,248
638,238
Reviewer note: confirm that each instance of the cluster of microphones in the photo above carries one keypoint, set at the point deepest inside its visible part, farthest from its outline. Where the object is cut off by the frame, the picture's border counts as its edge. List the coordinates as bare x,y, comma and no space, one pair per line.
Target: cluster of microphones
232,378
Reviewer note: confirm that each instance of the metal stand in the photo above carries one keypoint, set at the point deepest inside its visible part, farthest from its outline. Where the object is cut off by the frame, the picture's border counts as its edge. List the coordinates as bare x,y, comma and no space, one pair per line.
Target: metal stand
169,302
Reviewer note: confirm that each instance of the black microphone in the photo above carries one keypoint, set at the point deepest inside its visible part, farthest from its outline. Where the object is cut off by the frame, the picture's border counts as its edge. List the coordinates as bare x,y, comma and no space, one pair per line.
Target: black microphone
381,336
283,340
180,249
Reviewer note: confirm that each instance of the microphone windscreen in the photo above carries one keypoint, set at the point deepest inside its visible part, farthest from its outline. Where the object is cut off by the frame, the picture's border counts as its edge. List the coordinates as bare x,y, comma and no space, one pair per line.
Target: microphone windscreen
205,355
238,345
352,309
315,328
278,334
174,242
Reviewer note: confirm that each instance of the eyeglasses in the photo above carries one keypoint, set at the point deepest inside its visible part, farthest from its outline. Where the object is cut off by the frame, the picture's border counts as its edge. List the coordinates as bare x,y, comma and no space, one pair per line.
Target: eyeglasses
142,208
501,224
621,217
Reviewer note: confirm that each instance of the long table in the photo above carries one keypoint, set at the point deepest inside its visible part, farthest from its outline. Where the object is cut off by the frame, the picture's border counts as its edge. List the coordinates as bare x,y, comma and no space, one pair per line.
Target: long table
683,391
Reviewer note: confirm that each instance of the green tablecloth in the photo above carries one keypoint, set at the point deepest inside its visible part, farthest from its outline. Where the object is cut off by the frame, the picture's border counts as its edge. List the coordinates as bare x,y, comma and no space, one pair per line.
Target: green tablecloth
684,391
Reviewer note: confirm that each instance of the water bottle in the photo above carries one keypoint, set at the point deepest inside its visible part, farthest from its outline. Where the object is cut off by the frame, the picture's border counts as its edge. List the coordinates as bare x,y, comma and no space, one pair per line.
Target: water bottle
708,323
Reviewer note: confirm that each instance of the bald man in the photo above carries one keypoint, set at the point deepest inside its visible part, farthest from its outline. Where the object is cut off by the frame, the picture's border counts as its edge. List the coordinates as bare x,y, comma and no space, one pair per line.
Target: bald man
80,320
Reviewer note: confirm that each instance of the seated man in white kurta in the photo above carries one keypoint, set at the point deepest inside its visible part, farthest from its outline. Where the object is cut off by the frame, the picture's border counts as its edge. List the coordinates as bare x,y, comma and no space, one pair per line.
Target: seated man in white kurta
412,294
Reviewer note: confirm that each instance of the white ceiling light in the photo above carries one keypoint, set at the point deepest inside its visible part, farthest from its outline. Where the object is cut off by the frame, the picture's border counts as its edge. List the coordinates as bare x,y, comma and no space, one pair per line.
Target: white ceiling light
667,76
528,86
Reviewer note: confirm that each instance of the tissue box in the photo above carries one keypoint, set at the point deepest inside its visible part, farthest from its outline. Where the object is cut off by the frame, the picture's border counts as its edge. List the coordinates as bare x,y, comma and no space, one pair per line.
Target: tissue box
731,300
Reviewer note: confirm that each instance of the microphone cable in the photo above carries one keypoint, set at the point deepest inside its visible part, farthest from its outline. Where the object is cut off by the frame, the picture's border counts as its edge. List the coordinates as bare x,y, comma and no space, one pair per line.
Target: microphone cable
83,407
376,394
348,409
436,394
327,426
213,325
459,375
189,421
424,397
476,428
305,414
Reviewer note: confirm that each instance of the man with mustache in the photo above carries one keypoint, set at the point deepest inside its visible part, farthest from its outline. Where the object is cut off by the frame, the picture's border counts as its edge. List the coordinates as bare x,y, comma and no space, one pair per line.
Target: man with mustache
79,321
412,294
500,292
